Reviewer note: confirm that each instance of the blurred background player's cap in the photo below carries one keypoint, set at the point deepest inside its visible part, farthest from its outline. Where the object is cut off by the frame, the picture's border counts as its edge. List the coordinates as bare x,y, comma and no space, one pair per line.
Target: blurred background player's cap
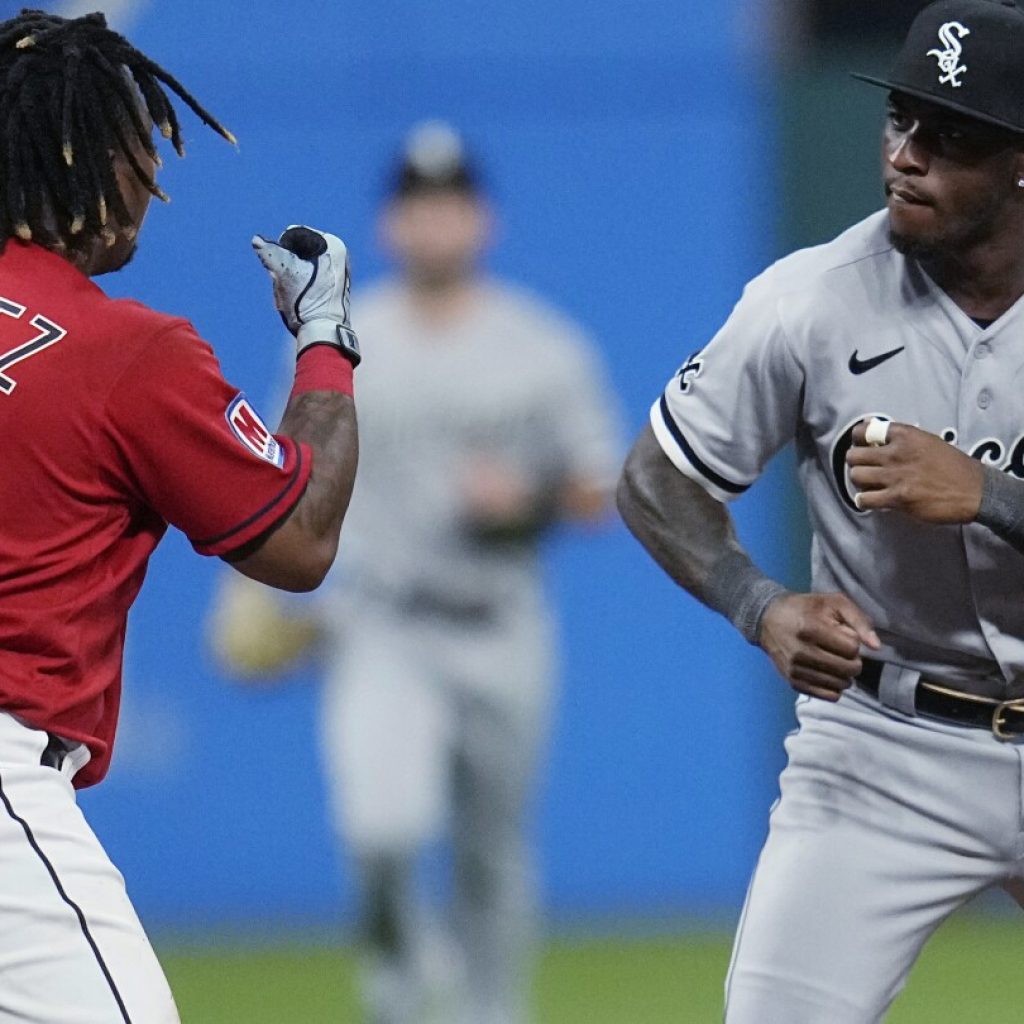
434,159
966,55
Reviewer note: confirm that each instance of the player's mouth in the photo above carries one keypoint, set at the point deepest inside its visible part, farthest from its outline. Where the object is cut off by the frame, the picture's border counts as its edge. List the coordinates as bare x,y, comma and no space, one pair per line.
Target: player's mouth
901,193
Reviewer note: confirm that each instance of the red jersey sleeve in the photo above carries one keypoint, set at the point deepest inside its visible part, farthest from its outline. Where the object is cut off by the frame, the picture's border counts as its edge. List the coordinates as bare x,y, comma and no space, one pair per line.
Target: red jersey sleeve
193,449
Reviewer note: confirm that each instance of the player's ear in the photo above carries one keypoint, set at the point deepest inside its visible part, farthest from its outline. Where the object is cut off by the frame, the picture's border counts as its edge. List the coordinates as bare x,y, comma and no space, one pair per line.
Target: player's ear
1018,171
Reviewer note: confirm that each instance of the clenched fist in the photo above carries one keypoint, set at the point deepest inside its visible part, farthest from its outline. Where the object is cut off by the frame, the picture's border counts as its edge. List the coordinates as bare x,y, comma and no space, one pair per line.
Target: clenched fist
310,272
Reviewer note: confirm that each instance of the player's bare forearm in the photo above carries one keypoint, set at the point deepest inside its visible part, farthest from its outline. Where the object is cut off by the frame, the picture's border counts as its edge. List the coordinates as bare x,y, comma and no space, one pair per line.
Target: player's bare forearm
326,421
684,529
812,639
298,552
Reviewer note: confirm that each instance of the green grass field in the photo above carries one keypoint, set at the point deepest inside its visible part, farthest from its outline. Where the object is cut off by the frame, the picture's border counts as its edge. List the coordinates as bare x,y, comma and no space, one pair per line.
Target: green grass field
970,974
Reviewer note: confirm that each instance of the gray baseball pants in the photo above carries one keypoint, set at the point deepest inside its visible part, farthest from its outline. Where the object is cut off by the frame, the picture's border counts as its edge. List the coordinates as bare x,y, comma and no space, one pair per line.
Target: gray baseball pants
886,824
432,734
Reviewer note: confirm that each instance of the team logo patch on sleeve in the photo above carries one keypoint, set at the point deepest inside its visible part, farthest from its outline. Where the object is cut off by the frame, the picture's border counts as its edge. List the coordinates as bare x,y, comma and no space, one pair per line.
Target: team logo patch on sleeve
247,426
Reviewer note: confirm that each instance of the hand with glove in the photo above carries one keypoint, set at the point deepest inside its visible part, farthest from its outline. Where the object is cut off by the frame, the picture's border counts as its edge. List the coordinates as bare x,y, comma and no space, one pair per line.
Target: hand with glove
310,272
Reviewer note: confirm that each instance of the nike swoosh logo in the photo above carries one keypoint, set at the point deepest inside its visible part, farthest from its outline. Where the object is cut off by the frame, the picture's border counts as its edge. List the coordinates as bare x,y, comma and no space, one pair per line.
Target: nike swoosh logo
863,365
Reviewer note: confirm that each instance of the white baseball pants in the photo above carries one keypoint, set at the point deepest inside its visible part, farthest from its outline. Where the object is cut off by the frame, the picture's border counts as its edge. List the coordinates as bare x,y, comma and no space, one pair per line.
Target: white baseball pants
72,950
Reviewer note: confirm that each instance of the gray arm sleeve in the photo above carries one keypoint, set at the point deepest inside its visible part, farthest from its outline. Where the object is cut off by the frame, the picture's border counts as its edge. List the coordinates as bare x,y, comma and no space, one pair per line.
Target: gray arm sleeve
1002,506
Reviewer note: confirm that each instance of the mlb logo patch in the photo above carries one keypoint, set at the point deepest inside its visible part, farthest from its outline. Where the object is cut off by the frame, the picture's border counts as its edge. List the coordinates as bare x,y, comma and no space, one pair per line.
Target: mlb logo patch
247,426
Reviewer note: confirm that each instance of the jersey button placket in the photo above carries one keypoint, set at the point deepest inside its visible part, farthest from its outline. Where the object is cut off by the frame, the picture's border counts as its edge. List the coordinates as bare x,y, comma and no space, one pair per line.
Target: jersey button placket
975,394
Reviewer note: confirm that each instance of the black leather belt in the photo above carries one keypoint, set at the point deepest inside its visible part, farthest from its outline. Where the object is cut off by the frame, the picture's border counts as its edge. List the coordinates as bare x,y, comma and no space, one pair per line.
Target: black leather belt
1005,718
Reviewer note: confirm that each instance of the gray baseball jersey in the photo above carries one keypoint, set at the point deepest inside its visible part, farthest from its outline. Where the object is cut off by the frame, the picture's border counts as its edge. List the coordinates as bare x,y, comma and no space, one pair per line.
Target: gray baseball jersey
513,381
822,339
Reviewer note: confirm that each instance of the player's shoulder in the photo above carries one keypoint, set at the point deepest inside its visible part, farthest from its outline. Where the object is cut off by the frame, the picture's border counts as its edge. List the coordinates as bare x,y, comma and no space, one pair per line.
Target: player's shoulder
138,324
53,287
538,321
137,343
548,343
862,249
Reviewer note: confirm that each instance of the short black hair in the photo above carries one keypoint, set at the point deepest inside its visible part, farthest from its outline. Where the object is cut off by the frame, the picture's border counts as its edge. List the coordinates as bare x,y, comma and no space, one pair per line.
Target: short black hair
73,96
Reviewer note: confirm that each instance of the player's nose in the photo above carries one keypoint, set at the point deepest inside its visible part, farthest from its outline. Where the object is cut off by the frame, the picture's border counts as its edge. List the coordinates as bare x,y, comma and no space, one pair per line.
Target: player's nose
906,152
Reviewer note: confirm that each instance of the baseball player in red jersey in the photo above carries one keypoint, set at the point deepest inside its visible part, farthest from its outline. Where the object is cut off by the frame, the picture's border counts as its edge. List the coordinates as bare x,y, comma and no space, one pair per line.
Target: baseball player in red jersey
117,422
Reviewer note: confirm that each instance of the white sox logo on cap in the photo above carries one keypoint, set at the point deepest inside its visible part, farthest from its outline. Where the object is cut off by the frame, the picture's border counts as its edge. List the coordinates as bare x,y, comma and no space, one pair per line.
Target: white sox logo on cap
949,59
986,36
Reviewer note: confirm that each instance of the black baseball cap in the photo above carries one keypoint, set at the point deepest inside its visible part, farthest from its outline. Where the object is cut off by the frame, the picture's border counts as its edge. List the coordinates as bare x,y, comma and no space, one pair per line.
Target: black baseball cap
968,56
433,159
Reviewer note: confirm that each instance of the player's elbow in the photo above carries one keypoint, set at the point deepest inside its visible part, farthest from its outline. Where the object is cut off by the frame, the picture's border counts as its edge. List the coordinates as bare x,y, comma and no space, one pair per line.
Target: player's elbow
648,488
307,572
628,493
624,495
290,559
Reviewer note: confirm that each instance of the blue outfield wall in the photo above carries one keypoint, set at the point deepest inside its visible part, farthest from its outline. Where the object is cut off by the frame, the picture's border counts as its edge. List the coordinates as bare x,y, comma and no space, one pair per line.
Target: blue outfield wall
631,154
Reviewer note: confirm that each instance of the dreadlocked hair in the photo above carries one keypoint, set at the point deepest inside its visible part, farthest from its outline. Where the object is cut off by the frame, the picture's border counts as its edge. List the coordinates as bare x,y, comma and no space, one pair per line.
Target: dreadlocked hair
73,96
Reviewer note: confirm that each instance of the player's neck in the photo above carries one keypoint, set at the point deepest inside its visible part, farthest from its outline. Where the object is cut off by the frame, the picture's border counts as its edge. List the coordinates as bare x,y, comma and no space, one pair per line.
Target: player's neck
984,282
439,302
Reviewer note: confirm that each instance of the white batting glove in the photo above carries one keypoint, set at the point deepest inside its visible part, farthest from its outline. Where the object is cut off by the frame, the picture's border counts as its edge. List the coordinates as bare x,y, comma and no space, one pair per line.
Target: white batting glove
310,272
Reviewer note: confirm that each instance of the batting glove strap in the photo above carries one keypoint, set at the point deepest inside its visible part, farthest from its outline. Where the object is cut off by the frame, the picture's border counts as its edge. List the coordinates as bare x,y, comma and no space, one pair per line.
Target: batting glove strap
310,274
327,332
737,589
1002,506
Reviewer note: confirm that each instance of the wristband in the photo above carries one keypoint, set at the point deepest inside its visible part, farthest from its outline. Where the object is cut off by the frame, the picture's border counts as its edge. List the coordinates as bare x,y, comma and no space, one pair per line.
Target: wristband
1002,506
326,332
737,589
322,367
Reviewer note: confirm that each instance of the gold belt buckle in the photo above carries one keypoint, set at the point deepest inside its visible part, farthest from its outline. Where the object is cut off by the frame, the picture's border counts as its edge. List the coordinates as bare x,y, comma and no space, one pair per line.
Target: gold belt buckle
999,719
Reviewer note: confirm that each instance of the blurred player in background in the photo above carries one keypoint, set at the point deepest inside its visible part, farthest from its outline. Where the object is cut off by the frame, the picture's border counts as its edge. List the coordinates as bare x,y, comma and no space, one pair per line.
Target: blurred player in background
117,422
483,422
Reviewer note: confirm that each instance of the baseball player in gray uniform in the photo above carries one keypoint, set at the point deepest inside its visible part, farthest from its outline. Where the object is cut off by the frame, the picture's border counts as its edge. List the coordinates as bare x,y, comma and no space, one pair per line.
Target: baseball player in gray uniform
484,421
893,357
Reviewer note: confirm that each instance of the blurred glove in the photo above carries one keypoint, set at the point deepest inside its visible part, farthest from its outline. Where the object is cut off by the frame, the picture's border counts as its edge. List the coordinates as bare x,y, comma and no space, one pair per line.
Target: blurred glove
309,269
253,633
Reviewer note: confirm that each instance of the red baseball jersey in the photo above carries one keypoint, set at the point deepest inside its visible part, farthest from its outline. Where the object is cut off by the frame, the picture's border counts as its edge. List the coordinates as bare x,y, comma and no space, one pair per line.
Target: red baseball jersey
117,421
